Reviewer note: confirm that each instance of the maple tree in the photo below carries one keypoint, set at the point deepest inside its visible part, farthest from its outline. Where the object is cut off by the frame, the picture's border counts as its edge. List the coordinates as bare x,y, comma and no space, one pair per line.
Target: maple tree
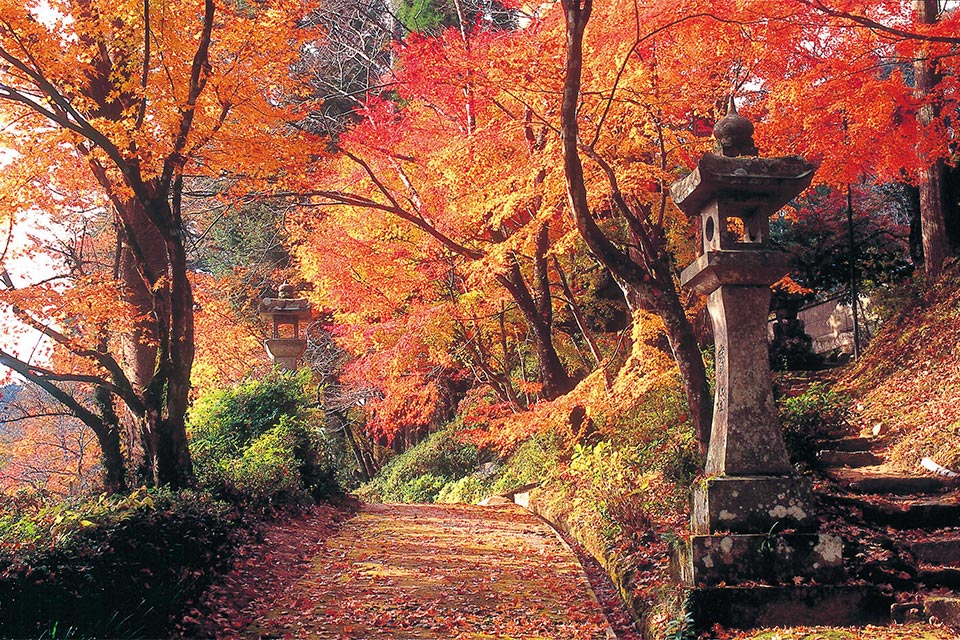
843,96
870,88
643,267
453,226
45,447
110,110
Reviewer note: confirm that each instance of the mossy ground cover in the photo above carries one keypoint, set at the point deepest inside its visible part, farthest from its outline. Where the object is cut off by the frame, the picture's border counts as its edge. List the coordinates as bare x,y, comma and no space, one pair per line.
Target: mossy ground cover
898,632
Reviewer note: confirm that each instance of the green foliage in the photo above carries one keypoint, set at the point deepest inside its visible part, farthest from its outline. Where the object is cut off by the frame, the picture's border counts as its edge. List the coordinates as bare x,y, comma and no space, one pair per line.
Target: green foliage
267,468
681,628
468,490
423,16
118,567
659,432
419,473
531,462
423,488
820,413
619,486
258,444
223,421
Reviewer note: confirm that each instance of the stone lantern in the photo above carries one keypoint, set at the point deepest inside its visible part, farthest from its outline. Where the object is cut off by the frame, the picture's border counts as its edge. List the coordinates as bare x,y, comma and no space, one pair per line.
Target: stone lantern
734,195
751,492
286,314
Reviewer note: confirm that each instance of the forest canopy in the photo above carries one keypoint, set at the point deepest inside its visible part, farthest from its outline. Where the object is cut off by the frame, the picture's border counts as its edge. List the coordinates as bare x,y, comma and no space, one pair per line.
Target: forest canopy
474,196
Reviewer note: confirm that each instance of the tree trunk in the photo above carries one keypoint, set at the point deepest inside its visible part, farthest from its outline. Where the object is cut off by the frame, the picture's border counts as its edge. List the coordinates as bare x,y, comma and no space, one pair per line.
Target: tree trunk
686,353
537,310
936,247
140,343
581,322
933,230
108,436
646,277
114,469
159,351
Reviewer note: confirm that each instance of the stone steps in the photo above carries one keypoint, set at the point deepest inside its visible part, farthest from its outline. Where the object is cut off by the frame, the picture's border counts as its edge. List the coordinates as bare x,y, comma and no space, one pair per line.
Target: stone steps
858,443
915,509
946,609
898,485
939,577
943,552
877,480
904,514
767,606
854,452
853,459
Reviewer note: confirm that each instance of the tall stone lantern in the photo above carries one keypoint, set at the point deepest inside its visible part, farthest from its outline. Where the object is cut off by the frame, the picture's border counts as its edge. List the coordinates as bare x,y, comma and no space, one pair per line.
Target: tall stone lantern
286,314
751,492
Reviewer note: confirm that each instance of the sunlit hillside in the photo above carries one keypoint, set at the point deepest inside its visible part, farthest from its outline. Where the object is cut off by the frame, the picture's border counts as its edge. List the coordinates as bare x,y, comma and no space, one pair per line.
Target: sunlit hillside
909,379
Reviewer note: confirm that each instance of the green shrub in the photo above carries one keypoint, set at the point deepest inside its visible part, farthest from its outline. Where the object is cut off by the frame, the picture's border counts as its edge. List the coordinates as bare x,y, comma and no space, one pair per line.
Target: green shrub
531,462
258,444
118,567
468,490
224,421
418,474
819,414
267,468
423,488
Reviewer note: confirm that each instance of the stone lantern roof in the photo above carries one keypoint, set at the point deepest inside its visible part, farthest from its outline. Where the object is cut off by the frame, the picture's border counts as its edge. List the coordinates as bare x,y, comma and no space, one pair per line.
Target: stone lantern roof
299,307
756,185
734,193
285,306
752,185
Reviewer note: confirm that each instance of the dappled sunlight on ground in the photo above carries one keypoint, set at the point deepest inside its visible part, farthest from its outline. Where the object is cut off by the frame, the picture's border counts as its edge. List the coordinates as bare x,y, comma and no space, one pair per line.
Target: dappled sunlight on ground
438,571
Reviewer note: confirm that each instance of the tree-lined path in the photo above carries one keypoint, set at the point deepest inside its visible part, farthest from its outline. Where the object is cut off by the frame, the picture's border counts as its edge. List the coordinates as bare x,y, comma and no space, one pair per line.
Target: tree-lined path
431,571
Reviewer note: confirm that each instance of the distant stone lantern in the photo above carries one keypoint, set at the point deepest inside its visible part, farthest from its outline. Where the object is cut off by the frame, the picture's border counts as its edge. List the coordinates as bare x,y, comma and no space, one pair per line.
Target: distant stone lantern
286,314
751,490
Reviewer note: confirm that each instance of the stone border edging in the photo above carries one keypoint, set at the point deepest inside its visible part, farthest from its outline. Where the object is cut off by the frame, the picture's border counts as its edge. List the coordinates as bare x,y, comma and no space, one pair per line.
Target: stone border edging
521,498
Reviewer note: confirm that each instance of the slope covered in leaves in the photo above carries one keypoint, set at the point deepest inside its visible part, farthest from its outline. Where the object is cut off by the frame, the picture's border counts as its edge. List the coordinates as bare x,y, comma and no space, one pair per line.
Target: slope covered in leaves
909,378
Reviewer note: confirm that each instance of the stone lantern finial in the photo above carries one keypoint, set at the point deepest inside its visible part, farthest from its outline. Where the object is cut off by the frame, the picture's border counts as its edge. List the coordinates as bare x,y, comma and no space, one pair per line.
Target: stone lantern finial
734,134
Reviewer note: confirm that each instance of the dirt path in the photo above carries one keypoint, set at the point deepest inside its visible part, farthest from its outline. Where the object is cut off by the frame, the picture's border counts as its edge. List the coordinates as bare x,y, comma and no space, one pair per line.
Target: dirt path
438,571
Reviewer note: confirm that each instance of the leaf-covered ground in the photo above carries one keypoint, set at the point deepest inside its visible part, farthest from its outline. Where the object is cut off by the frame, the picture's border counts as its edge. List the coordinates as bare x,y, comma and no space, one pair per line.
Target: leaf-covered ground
909,379
430,571
261,573
439,571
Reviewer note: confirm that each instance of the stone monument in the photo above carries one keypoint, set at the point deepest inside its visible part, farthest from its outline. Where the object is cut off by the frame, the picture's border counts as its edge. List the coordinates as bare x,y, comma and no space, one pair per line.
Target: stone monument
285,314
752,517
